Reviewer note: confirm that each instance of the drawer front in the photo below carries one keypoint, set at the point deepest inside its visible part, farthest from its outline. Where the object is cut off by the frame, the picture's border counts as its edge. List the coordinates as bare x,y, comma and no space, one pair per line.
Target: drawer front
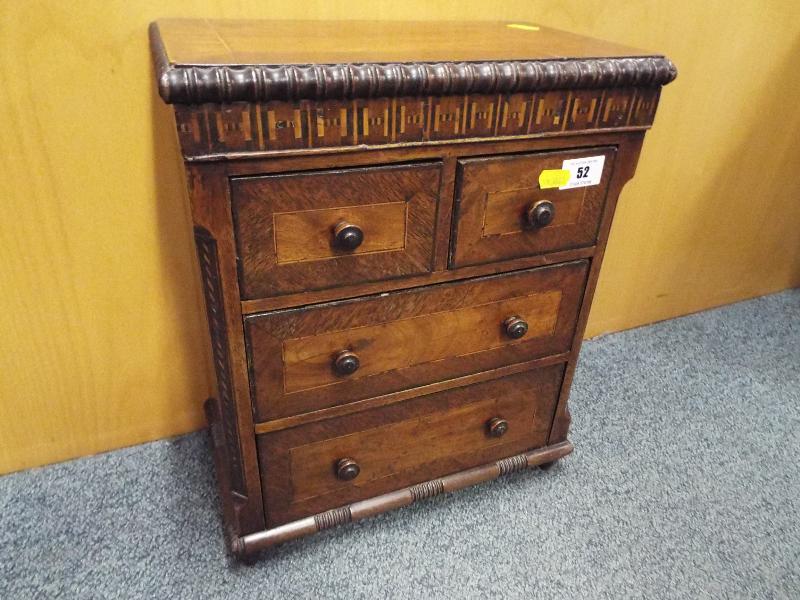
496,194
299,358
324,229
305,469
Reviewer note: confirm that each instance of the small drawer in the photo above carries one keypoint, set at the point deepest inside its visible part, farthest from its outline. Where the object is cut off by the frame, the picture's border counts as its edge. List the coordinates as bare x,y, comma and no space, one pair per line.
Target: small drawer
497,200
306,359
322,465
323,229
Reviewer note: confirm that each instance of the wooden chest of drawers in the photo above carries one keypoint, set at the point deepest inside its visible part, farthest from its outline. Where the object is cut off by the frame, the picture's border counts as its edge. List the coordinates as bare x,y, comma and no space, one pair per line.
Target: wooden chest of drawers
399,229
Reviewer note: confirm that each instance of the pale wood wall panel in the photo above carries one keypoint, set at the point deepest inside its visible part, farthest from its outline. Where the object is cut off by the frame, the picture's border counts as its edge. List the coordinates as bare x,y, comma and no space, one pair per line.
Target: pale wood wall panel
103,334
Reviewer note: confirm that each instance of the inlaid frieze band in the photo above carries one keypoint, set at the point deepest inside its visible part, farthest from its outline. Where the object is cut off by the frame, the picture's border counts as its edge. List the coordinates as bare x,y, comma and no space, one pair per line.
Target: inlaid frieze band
211,129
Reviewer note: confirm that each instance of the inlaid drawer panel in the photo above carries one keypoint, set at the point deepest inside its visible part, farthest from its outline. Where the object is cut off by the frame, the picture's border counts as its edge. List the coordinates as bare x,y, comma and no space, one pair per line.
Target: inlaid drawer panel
322,229
329,463
306,359
502,213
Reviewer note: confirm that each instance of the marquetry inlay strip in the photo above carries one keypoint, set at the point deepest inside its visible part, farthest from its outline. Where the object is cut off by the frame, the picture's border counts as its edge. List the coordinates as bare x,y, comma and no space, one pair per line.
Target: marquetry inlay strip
211,129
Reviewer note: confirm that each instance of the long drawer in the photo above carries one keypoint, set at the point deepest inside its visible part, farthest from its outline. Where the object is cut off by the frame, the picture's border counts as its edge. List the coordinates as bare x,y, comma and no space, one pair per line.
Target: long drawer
324,229
329,463
306,359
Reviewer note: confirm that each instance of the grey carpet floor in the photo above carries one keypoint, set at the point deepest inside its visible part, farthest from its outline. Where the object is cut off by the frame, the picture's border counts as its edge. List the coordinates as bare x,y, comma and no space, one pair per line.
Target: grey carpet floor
685,483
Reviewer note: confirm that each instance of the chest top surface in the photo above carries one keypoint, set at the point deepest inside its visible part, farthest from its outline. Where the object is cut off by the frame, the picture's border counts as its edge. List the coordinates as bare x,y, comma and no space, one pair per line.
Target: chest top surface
254,42
200,60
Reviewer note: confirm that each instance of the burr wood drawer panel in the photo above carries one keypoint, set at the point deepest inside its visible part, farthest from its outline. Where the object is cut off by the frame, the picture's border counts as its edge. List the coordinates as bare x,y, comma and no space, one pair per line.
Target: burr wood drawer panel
322,229
311,358
502,213
329,463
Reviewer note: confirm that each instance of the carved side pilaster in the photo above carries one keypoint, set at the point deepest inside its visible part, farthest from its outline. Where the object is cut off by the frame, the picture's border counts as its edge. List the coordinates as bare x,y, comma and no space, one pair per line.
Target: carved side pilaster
209,270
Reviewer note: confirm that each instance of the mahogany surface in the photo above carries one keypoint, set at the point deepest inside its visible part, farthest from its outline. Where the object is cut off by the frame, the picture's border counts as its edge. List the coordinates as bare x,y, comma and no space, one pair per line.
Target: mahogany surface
493,198
408,338
405,443
395,303
285,227
242,42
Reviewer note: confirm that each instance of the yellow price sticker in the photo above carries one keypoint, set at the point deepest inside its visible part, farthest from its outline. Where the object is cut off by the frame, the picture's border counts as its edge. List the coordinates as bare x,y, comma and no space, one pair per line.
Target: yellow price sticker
523,26
553,178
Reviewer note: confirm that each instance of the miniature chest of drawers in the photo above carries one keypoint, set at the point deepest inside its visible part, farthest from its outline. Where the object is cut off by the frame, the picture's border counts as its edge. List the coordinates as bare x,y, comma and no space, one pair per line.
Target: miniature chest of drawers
399,228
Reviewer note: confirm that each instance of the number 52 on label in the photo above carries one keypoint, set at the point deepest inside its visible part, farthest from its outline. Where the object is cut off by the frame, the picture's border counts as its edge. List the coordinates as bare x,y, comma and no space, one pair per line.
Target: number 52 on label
583,171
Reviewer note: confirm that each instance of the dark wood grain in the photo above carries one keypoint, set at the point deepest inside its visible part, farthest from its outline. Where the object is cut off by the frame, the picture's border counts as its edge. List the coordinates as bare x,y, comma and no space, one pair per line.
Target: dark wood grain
445,275
299,42
364,509
285,227
404,443
402,395
498,59
628,150
407,339
211,131
494,196
238,165
240,484
395,307
215,312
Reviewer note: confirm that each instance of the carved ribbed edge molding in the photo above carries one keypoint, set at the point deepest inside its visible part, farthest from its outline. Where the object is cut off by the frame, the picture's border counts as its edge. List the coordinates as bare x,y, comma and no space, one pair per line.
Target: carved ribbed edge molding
191,84
262,83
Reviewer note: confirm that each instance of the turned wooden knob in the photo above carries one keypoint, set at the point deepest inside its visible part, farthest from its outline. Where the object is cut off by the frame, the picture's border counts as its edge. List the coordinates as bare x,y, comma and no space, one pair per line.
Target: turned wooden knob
497,427
541,213
347,236
347,469
346,363
516,327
